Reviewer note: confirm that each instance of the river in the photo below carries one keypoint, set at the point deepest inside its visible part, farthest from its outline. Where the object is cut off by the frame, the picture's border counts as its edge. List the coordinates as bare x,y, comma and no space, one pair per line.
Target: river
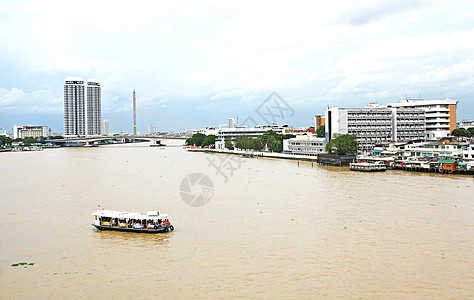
272,228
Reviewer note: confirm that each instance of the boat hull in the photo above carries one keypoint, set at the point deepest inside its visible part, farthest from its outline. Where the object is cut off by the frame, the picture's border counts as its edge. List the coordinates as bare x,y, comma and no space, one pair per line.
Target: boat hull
159,230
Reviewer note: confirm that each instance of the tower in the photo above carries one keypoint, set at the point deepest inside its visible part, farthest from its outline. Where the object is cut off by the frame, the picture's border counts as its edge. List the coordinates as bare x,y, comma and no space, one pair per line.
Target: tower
93,107
74,107
134,114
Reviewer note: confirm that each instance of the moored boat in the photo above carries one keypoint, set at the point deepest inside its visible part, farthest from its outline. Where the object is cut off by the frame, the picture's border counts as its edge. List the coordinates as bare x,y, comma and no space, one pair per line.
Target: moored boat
149,222
368,167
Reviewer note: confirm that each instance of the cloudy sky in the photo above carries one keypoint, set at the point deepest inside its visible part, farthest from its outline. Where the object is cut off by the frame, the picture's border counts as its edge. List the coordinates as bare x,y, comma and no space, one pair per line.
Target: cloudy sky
196,63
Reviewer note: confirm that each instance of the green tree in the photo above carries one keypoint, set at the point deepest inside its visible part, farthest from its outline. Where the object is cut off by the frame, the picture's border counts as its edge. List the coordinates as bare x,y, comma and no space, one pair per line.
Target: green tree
342,144
190,141
28,141
228,143
198,139
209,140
5,140
471,131
277,147
320,132
460,132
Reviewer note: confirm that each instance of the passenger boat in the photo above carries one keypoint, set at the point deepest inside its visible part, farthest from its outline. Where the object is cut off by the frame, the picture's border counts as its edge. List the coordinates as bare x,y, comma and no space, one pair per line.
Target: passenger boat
368,167
149,222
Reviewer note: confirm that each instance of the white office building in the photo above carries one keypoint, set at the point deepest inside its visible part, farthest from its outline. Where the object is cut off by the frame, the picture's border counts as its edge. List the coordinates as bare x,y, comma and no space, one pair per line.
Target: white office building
34,131
440,115
375,125
309,145
82,107
105,127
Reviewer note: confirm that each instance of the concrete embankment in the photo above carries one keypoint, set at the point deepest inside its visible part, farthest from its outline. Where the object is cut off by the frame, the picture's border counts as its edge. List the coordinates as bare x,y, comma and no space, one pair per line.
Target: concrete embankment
257,154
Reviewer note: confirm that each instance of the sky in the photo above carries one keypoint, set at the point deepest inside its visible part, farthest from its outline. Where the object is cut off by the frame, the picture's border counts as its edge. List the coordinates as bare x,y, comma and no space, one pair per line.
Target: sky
194,64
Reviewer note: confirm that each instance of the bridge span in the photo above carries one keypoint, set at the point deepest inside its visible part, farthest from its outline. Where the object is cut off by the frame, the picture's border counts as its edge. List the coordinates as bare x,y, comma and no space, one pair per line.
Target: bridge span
89,140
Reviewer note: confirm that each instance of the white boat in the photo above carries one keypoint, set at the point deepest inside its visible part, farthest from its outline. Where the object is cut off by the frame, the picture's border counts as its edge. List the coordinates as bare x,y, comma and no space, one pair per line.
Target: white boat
149,222
368,167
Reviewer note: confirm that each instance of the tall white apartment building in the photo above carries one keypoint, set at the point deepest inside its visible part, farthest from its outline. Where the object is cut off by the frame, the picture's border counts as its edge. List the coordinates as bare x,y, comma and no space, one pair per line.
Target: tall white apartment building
74,107
80,117
93,107
440,115
375,125
34,131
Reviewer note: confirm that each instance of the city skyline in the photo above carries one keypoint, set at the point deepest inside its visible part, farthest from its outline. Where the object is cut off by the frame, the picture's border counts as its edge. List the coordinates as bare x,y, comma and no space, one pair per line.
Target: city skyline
194,65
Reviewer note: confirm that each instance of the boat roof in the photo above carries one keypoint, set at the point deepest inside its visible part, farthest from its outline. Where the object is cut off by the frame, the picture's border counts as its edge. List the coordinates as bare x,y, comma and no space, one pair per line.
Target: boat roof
129,215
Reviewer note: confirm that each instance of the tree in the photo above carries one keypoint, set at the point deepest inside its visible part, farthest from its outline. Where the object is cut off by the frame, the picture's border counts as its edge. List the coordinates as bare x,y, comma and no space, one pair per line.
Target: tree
228,143
209,140
460,132
190,141
471,131
320,132
28,141
342,144
277,147
5,140
198,139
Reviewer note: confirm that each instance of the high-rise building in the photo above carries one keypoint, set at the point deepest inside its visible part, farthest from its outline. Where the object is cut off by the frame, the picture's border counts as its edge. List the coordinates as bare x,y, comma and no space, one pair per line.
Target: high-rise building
440,115
74,107
104,130
93,107
232,123
80,117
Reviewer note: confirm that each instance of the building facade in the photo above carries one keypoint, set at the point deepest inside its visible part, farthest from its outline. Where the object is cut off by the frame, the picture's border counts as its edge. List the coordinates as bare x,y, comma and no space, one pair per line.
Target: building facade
371,125
74,107
104,130
93,107
304,145
34,131
376,125
440,115
408,124
82,107
319,121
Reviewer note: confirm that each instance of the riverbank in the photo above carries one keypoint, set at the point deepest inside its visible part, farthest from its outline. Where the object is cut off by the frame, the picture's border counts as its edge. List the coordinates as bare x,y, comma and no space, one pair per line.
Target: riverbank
257,154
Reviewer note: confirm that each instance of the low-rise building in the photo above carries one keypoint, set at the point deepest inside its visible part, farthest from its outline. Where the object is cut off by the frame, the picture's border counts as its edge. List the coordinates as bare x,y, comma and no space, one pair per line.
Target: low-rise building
304,145
34,131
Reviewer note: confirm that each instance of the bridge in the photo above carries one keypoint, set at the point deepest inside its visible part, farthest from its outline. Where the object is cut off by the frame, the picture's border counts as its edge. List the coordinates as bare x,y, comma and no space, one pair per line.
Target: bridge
93,139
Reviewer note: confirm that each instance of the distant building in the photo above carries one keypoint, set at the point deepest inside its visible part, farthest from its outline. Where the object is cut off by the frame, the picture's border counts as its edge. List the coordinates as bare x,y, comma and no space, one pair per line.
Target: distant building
34,131
440,115
82,107
319,121
232,122
105,127
4,133
465,124
304,145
